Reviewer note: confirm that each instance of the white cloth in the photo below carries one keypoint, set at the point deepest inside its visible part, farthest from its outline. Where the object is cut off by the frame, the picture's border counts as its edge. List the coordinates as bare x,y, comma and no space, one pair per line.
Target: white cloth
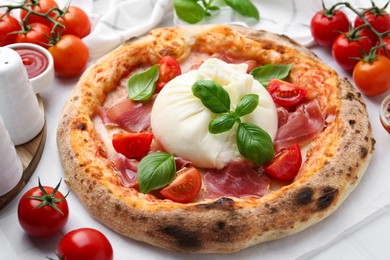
123,20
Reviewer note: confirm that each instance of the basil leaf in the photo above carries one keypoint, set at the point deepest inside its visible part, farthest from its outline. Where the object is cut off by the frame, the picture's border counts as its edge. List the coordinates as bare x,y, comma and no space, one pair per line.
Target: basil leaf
244,7
247,105
254,143
222,123
270,71
141,86
189,11
155,171
212,95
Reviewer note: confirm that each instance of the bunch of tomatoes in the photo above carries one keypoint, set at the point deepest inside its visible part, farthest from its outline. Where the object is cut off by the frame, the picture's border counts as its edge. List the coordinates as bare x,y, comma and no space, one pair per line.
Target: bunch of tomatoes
60,31
43,211
362,47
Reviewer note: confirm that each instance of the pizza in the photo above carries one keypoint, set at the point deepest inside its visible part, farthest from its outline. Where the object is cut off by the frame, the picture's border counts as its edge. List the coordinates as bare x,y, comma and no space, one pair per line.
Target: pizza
276,147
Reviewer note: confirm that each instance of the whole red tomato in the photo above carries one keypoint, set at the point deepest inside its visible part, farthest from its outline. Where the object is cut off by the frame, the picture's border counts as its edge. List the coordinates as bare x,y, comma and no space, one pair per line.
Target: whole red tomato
378,18
386,42
70,56
326,25
39,6
36,33
43,211
8,26
346,49
85,243
372,77
75,20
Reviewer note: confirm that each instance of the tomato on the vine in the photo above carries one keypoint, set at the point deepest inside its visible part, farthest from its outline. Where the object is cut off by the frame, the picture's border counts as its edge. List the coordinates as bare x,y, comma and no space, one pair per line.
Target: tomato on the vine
348,47
169,69
75,21
326,25
39,6
285,94
378,18
386,42
36,33
185,187
85,243
372,76
9,27
43,211
285,164
70,56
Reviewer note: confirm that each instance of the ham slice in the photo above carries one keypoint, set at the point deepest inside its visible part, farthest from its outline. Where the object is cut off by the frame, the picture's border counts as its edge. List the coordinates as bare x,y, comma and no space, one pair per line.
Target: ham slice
127,170
237,179
130,115
301,125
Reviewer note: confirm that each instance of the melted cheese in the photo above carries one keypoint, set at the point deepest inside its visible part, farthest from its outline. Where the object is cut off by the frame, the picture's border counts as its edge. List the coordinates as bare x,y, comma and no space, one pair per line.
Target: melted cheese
180,121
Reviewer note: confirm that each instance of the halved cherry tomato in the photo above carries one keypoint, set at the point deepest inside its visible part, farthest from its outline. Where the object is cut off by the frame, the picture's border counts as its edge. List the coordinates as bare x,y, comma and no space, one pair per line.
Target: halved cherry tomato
39,6
36,33
132,145
169,69
285,164
284,93
9,27
185,187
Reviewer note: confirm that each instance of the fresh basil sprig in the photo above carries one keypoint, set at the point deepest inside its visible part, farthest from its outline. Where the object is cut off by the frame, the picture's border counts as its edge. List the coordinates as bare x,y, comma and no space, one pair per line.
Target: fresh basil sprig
141,86
253,143
155,171
267,72
193,11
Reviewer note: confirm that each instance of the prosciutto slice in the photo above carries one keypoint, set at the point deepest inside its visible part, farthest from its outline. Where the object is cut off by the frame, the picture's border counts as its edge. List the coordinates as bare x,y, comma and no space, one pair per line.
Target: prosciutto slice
237,179
127,170
300,126
129,115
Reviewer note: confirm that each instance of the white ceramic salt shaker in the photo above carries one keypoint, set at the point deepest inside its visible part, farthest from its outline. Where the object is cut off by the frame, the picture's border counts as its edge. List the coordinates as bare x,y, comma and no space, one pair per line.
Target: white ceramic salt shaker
18,103
11,169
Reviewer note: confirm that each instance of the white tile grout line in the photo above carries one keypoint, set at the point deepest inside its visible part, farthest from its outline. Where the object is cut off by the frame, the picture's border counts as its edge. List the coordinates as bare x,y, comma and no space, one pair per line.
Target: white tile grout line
385,210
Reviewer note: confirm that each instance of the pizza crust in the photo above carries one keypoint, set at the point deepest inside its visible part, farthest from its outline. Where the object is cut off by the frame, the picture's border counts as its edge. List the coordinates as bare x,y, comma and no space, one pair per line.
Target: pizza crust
336,160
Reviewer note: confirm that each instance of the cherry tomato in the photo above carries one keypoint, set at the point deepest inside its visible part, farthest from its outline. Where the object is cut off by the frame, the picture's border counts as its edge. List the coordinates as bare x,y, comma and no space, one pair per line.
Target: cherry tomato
132,145
378,18
284,93
85,243
70,56
169,69
39,6
43,211
76,22
325,27
285,164
386,41
185,187
372,78
37,33
8,26
347,51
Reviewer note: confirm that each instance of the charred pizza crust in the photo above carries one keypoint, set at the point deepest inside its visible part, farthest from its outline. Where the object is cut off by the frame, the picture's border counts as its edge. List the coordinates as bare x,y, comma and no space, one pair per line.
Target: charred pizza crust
334,164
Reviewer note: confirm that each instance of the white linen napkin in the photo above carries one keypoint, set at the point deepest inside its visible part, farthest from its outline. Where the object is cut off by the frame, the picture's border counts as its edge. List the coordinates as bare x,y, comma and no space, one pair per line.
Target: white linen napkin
123,20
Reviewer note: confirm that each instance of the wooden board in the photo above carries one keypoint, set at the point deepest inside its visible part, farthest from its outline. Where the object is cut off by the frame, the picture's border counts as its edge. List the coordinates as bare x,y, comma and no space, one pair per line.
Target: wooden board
30,154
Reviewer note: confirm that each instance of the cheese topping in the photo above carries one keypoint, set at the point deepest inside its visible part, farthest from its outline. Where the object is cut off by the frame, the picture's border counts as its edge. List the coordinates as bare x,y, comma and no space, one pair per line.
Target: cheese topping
180,121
